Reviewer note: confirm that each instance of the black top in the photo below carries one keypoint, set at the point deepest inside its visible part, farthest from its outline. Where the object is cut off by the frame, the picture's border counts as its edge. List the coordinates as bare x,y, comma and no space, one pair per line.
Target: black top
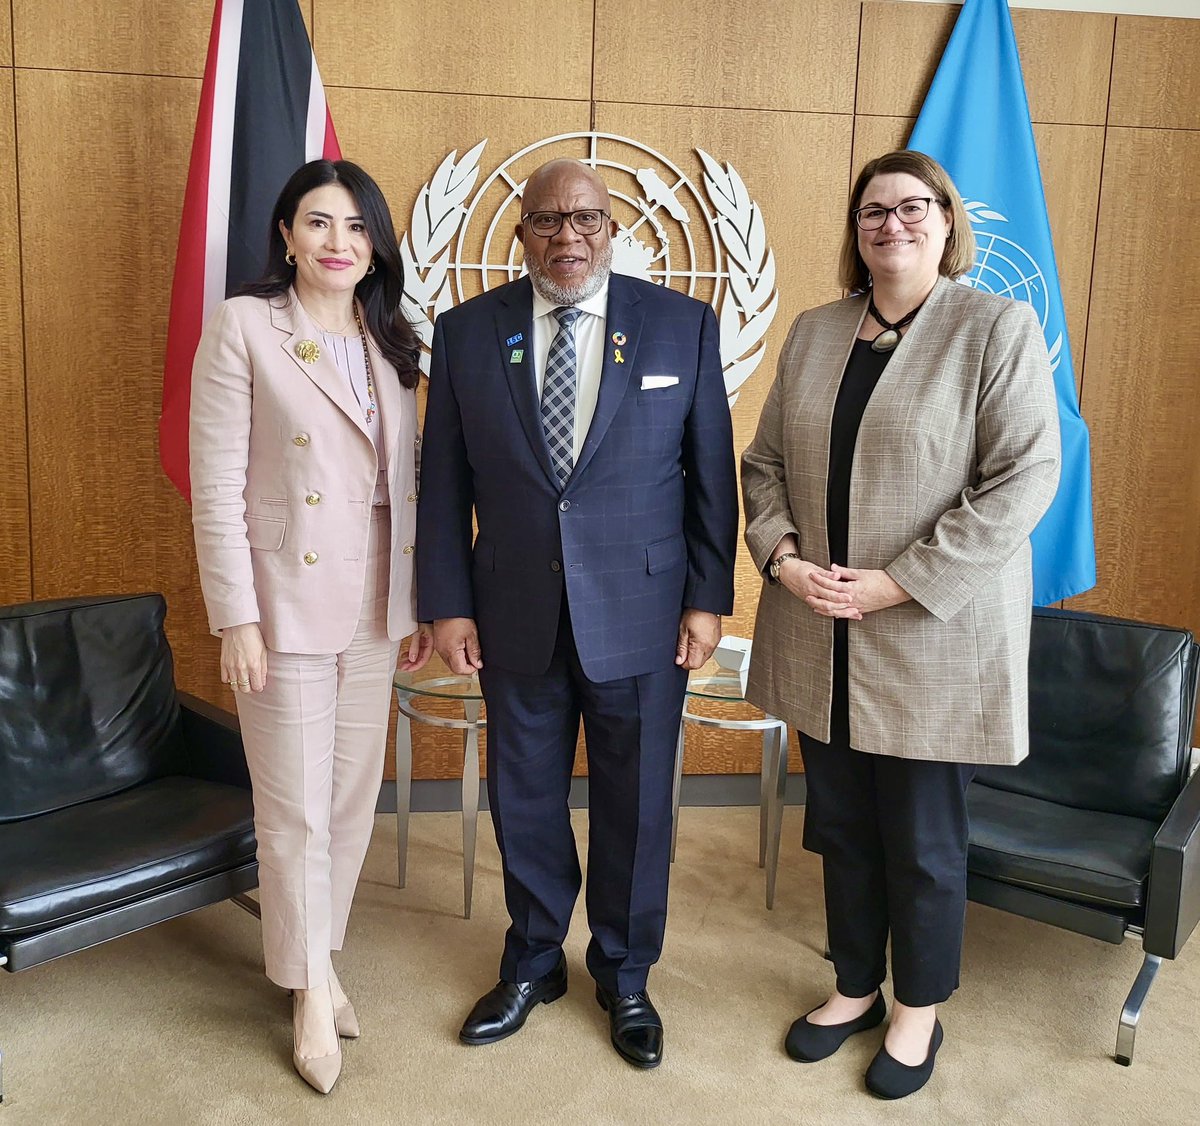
862,373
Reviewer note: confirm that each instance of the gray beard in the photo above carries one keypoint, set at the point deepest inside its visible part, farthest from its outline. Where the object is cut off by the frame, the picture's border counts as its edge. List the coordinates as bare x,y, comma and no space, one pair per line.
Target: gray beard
560,294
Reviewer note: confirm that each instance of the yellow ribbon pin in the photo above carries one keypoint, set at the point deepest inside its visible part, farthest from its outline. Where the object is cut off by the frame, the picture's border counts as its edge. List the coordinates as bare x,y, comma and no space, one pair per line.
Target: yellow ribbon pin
617,357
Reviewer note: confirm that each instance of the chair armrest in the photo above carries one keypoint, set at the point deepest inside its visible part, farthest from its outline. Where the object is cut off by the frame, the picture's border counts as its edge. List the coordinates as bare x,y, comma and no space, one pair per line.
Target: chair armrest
212,743
1173,891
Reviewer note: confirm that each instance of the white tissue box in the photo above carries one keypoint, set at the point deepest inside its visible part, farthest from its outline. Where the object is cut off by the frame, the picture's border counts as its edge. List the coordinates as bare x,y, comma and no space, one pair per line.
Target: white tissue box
733,655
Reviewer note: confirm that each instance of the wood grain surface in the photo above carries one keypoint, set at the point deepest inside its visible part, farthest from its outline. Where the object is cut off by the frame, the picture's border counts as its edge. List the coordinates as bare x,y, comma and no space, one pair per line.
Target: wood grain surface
15,574
1156,76
754,54
166,37
1139,387
523,48
902,45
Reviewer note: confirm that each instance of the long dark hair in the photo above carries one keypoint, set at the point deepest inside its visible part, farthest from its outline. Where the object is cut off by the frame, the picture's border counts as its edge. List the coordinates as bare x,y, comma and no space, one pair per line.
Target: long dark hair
380,291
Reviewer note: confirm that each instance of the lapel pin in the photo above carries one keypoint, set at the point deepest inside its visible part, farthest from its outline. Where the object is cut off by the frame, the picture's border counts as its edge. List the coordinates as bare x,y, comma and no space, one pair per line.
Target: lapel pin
308,351
617,357
515,339
618,338
518,354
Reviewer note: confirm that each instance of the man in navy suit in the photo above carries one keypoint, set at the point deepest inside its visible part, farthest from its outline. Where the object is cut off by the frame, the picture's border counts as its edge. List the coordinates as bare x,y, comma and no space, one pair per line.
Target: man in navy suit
582,416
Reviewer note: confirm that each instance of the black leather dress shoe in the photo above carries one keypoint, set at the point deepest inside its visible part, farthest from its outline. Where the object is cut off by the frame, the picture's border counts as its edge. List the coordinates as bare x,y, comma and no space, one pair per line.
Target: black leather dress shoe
502,1010
811,1042
888,1078
634,1026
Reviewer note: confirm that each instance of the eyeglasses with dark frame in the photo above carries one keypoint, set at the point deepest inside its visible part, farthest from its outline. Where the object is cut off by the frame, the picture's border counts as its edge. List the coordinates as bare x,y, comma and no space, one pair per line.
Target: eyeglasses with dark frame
549,223
909,211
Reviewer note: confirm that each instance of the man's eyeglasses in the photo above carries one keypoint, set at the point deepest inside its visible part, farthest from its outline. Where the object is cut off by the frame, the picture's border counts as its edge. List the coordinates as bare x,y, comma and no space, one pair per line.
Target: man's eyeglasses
549,223
872,217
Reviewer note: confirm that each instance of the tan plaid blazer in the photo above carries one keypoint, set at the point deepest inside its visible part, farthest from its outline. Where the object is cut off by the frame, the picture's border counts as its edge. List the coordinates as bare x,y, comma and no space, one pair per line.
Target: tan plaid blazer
957,459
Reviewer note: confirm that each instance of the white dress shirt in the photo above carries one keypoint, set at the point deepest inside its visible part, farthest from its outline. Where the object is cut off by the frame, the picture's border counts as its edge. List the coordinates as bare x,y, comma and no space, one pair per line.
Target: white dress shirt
589,354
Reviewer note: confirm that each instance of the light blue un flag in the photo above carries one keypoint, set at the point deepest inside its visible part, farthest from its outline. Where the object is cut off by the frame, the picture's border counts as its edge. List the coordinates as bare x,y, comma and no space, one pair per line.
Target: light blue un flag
975,123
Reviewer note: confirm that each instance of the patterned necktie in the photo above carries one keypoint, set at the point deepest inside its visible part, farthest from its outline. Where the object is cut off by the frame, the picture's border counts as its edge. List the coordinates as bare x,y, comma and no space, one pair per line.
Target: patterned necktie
558,395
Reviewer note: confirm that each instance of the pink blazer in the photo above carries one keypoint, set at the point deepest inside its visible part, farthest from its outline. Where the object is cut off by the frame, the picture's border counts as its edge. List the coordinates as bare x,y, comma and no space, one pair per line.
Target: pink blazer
283,472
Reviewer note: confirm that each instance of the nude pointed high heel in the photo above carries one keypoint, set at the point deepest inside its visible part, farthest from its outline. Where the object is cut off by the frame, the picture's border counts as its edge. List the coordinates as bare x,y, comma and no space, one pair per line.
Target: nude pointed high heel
319,1072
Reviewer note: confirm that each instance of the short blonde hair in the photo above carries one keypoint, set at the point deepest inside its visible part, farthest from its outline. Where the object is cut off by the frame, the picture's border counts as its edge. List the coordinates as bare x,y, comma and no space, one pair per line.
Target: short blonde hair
959,255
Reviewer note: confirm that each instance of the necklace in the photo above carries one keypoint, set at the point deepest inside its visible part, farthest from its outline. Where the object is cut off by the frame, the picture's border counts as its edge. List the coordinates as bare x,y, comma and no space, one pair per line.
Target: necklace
362,335
890,337
334,331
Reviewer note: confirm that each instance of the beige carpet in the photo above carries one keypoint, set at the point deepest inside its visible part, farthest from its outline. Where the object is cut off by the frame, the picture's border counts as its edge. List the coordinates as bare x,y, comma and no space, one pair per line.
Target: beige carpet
177,1025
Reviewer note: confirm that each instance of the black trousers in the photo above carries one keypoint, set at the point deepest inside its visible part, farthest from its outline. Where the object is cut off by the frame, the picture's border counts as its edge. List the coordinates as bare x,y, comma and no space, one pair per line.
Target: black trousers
892,834
630,726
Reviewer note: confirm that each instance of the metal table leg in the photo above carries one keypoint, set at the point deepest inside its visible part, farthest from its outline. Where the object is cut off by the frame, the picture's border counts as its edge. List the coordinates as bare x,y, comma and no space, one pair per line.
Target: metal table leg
778,767
403,786
675,787
470,799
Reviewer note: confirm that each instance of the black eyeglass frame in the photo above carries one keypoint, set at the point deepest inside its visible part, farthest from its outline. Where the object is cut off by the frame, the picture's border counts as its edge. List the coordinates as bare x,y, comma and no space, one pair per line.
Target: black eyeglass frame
569,216
925,199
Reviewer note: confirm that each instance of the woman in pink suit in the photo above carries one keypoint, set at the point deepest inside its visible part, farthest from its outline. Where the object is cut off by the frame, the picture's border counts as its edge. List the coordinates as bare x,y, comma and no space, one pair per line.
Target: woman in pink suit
304,453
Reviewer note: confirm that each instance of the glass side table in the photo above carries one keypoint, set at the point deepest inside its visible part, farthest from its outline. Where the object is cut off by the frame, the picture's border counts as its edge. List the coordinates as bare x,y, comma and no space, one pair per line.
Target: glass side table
436,682
710,682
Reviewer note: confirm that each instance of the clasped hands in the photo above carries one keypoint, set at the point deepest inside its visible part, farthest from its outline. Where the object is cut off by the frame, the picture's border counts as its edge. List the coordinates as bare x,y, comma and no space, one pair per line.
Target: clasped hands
841,592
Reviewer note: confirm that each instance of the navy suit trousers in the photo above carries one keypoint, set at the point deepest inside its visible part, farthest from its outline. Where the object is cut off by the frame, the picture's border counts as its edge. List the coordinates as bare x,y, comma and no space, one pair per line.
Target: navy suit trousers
892,834
630,727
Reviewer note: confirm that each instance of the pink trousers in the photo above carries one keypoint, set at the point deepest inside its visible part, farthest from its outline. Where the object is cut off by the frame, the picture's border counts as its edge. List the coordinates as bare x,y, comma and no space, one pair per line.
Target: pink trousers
314,740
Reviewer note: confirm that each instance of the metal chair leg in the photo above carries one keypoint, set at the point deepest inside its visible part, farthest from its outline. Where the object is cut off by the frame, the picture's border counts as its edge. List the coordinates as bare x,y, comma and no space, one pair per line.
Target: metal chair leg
470,800
775,806
1132,1012
250,906
403,791
765,785
675,787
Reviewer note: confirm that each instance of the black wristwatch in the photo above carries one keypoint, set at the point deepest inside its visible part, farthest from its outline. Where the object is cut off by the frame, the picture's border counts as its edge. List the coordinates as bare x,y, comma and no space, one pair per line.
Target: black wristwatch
777,562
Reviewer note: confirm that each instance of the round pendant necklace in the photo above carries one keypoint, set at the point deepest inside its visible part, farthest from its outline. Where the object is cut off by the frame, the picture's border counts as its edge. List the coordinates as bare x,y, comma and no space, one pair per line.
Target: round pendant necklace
362,334
890,337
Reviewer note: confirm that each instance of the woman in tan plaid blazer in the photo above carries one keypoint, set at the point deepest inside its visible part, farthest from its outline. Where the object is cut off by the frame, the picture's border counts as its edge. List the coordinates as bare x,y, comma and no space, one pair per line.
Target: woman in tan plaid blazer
906,451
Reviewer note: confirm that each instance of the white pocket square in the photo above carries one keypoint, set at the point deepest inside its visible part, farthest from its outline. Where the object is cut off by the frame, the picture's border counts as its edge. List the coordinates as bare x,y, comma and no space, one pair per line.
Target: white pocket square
653,382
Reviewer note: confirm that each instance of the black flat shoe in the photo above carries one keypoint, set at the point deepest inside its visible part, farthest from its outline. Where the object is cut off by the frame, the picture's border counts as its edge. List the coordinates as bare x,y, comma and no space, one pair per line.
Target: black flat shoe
811,1042
635,1027
888,1078
503,1009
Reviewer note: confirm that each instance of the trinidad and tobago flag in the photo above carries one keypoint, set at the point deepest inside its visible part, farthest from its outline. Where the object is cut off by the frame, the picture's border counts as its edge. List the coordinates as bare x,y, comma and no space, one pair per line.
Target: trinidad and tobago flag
262,115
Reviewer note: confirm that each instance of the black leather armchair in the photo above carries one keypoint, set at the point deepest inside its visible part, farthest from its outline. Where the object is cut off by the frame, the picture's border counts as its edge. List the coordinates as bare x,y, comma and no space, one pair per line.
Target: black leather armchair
1098,830
122,802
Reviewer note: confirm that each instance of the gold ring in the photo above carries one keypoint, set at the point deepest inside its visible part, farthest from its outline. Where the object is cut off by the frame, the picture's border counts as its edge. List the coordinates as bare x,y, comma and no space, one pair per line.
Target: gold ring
243,684
233,684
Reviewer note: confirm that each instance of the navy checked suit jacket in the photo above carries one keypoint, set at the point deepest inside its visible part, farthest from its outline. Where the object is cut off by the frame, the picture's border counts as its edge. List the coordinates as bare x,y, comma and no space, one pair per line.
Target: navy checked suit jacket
647,523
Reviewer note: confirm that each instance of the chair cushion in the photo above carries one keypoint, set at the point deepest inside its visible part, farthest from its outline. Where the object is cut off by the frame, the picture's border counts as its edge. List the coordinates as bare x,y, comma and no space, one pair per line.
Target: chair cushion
87,701
72,863
1109,715
1101,859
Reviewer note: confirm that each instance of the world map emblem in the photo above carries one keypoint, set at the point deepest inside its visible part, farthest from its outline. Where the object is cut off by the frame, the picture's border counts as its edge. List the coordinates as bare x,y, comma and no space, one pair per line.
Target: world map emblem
700,234
1007,269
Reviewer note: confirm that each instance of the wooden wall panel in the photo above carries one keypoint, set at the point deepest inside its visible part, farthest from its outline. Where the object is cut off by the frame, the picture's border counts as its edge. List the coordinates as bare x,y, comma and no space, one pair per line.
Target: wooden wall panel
6,43
104,516
1139,390
15,577
902,45
755,54
117,36
525,49
1156,73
